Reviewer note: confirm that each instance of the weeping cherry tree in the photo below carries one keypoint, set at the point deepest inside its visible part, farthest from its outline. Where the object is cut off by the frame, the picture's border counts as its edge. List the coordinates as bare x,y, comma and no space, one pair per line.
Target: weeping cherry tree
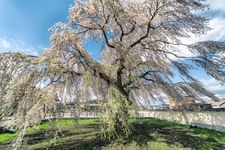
142,52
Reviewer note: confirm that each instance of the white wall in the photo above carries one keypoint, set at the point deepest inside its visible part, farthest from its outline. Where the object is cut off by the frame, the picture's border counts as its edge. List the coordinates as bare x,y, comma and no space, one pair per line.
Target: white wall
207,119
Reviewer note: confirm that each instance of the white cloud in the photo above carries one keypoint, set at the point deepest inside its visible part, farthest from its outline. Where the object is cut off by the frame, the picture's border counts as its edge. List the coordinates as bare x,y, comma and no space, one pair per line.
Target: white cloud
216,5
218,29
12,45
217,14
217,32
217,25
4,43
214,86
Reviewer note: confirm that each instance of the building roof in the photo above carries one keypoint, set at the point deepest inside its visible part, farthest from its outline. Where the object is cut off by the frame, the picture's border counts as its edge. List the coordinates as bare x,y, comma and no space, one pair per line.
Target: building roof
217,104
222,103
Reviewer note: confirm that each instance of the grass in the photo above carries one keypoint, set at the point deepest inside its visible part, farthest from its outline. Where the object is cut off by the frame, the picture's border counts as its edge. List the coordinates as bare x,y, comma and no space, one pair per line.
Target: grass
6,138
147,134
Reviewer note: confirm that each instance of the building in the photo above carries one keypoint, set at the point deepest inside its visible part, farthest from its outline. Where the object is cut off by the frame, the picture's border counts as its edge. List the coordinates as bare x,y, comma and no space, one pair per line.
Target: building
217,104
178,104
222,105
154,107
189,103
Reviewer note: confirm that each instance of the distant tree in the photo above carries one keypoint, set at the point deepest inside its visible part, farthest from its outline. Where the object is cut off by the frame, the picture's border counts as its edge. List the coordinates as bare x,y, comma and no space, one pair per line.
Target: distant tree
141,52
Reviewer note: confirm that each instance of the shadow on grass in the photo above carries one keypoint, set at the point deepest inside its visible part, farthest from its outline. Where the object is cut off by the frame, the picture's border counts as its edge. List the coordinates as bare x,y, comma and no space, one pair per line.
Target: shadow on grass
94,144
144,131
174,134
83,138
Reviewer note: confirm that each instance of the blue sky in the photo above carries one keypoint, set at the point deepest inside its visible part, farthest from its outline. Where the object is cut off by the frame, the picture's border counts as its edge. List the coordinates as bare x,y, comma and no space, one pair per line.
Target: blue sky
24,24
24,27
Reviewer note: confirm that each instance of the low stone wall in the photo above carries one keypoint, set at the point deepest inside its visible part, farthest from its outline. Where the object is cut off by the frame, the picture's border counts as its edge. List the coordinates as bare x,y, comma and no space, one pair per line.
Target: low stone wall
206,119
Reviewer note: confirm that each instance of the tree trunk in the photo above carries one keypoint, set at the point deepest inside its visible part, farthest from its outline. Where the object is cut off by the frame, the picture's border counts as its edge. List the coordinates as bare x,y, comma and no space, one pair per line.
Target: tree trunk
116,113
121,121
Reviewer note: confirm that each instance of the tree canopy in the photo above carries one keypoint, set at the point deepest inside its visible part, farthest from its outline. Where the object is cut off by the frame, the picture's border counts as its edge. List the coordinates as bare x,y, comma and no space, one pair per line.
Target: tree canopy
141,53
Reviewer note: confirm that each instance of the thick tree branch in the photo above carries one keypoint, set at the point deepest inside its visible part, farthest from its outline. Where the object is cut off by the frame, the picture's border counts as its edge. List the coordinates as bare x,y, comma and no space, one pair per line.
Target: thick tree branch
143,37
106,37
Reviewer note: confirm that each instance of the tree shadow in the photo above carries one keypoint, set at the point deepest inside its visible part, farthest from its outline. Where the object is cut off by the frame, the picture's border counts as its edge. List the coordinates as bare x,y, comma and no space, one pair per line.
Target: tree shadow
94,144
144,131
83,138
171,133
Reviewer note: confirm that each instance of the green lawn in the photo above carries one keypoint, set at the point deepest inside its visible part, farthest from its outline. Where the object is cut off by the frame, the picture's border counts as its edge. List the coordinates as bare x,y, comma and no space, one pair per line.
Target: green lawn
147,134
